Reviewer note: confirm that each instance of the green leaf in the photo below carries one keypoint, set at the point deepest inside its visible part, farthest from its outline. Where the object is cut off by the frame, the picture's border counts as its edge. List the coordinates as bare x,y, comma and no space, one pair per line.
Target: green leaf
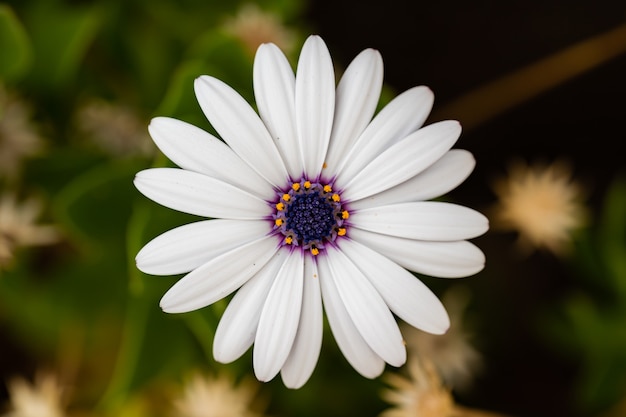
215,54
612,234
96,204
14,44
179,100
228,60
61,38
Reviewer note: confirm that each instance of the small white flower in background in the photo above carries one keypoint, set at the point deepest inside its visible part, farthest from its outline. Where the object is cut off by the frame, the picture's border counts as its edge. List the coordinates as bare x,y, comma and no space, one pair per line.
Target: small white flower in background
18,227
420,395
253,27
542,203
19,136
452,353
44,398
113,128
314,201
216,396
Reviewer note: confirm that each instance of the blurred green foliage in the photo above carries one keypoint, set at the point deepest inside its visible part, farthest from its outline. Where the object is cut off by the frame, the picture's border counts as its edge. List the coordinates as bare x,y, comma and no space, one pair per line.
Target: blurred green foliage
81,303
14,44
589,323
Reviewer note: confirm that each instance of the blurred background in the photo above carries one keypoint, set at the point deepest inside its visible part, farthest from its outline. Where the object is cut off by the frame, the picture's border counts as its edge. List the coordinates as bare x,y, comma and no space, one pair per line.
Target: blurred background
539,88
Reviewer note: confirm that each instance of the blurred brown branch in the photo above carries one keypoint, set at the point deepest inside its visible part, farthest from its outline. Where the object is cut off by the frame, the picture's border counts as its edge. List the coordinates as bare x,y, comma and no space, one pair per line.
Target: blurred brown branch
494,98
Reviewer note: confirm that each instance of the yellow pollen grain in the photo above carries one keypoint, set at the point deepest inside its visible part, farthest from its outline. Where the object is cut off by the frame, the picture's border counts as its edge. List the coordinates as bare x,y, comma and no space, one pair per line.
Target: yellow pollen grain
289,240
328,188
280,206
286,197
324,165
336,198
341,231
345,214
296,186
307,184
315,251
278,222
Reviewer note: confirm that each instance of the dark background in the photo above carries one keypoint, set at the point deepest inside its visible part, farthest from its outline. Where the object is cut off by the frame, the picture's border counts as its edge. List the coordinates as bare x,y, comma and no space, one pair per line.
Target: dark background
455,47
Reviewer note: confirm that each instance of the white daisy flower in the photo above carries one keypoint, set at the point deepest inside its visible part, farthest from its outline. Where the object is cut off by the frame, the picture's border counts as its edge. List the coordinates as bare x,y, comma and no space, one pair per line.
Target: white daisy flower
313,200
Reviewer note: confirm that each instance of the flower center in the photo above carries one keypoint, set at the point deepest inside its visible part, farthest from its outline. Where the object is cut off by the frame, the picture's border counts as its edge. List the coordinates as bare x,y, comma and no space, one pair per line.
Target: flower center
309,215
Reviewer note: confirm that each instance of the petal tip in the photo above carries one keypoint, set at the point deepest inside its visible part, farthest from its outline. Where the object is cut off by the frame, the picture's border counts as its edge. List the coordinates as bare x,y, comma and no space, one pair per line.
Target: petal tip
425,91
154,121
372,53
266,48
138,179
441,327
263,375
168,305
139,261
292,383
167,310
202,82
314,41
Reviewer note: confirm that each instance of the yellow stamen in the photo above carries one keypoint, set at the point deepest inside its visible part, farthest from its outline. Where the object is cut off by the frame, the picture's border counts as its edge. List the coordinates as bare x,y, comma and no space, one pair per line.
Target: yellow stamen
341,231
280,206
278,222
327,188
315,251
289,240
307,184
296,186
345,214
336,198
287,197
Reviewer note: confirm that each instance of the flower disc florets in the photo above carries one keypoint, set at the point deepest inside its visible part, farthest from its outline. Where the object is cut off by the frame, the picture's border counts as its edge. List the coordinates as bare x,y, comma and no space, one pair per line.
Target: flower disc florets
309,215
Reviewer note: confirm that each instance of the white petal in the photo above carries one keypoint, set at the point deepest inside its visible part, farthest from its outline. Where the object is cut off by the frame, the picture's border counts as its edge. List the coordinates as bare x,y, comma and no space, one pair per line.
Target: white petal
274,91
368,311
405,295
423,220
436,180
402,116
315,103
193,149
218,277
239,125
187,247
237,328
402,160
439,259
279,319
194,193
357,95
306,347
350,341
